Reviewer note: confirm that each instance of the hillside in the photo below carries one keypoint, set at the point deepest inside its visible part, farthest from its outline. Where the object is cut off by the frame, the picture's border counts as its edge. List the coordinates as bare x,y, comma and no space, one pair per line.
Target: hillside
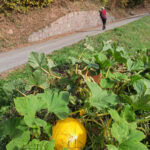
15,28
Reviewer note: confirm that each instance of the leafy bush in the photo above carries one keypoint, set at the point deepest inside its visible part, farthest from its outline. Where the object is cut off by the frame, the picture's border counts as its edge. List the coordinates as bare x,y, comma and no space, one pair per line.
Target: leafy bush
122,3
22,5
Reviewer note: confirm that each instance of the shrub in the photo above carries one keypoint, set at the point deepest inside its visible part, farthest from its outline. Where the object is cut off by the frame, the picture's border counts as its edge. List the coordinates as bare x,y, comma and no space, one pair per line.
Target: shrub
22,5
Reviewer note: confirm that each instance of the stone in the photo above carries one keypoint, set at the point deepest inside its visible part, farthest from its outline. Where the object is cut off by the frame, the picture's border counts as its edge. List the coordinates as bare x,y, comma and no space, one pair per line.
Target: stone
10,31
132,13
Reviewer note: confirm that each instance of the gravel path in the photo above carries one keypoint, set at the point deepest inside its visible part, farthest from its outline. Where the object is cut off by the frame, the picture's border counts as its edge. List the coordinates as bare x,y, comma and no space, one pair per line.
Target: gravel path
14,58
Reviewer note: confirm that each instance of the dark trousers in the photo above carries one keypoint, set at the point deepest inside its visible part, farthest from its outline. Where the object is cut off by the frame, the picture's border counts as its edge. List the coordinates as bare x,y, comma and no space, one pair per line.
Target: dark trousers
104,22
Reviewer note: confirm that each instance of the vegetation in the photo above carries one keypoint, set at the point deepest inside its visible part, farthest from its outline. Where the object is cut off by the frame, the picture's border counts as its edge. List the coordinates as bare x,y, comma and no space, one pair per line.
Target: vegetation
109,92
24,5
123,3
103,84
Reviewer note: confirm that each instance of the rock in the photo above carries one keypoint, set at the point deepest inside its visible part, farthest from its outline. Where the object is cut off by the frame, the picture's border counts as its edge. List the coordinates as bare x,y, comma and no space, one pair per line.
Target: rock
132,13
10,31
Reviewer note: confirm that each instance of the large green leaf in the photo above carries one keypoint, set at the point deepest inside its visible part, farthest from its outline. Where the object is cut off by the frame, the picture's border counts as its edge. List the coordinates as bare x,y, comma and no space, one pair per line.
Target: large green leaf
12,126
19,141
147,84
138,102
141,102
102,60
40,145
27,107
135,65
112,147
37,79
36,60
120,131
126,133
128,114
56,103
119,76
11,86
100,98
140,87
131,145
18,132
107,83
118,56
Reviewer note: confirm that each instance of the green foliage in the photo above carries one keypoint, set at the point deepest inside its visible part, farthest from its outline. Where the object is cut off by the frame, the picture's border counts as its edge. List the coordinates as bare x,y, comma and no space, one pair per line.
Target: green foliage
122,3
36,144
54,102
22,5
19,130
101,99
122,87
52,89
126,134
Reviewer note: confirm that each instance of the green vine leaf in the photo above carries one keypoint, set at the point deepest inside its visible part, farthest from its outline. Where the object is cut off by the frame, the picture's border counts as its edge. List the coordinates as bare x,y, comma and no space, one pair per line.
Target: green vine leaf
140,87
27,107
37,79
12,126
36,60
50,63
53,101
135,65
56,103
18,132
40,145
19,141
101,99
126,133
112,147
141,102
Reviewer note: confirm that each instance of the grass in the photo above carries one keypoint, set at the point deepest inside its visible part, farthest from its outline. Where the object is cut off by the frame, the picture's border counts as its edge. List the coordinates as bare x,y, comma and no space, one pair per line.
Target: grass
135,35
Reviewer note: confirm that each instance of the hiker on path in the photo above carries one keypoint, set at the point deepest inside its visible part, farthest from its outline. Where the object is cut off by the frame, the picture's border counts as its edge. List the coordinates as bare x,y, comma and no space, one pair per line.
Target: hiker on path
103,17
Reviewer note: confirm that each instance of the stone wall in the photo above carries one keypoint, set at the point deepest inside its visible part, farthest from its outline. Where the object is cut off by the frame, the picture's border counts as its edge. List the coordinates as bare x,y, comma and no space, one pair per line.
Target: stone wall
74,21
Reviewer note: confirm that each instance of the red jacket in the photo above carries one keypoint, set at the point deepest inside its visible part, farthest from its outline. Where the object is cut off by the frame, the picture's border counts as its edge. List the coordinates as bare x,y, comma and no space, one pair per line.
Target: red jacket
103,13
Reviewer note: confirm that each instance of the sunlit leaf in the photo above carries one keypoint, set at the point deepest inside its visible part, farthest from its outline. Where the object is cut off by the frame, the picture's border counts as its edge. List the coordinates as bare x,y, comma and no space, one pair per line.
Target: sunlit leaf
36,60
100,98
40,145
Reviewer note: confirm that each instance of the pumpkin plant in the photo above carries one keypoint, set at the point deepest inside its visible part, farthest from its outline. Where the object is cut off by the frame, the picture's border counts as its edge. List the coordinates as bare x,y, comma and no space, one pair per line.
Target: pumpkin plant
98,102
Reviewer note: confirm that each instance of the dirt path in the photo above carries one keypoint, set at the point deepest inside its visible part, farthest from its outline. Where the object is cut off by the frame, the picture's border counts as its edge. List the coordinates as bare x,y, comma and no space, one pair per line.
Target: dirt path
11,59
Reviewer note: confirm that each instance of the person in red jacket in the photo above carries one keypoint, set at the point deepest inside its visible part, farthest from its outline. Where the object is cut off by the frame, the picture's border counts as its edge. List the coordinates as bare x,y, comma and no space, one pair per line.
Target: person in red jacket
103,17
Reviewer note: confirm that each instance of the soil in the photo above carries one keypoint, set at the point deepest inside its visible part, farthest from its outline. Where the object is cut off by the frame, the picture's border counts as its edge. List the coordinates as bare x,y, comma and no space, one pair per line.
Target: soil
16,28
